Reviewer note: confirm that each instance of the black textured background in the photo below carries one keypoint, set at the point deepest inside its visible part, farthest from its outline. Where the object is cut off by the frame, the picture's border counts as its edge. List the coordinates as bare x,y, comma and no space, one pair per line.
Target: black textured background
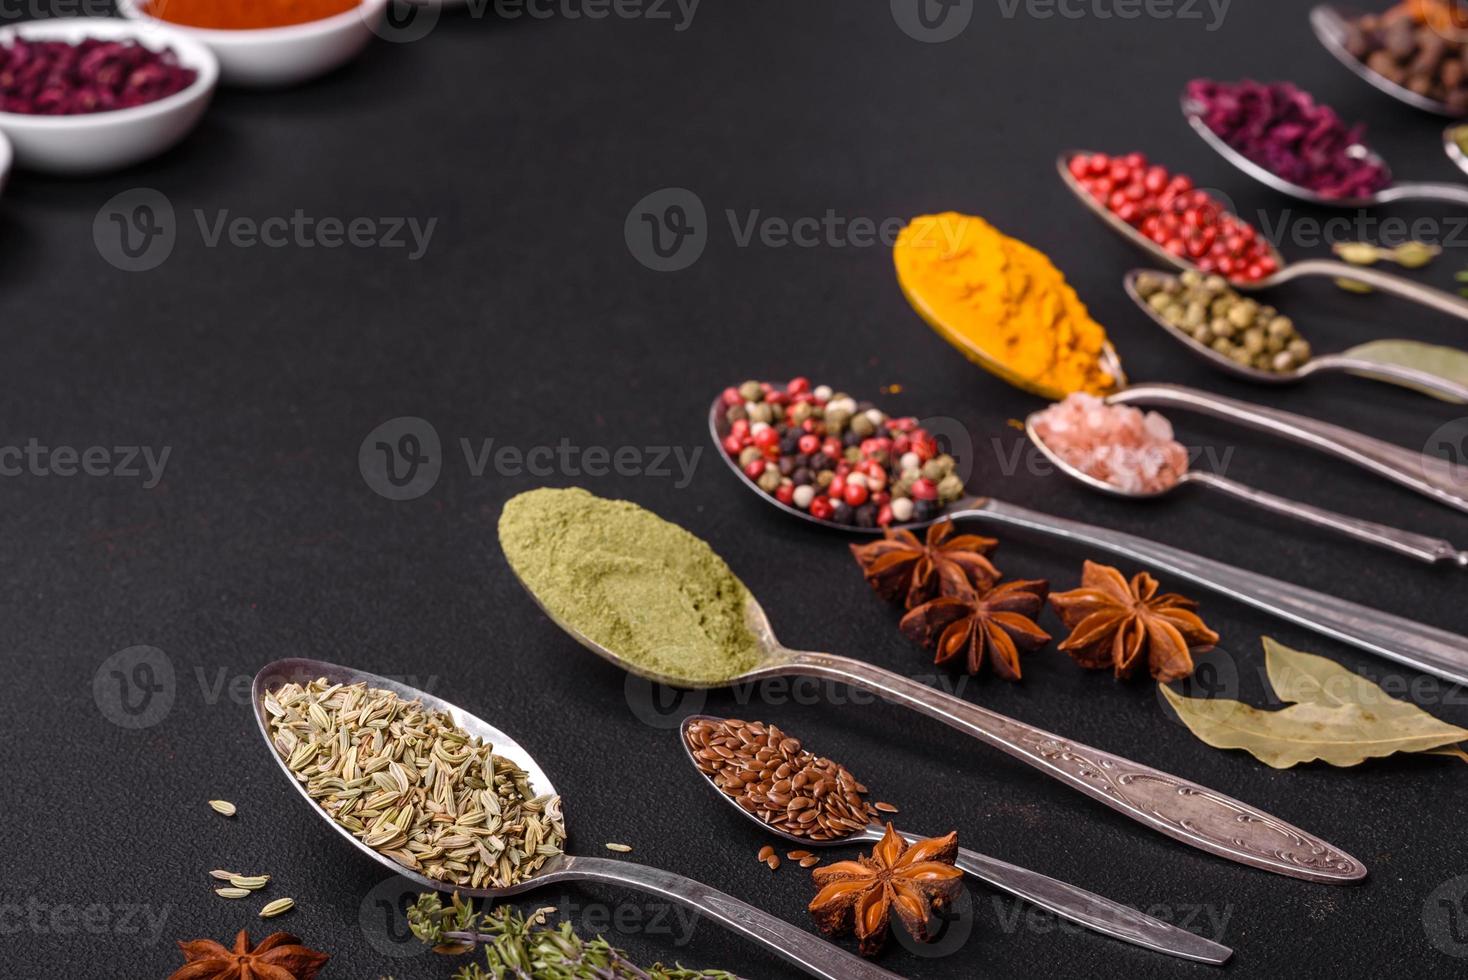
530,322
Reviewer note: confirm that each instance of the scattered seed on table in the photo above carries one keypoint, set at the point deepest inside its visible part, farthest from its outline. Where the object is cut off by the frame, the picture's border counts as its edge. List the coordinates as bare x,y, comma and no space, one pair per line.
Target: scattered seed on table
809,861
885,807
223,875
765,853
223,807
773,861
277,907
620,848
232,892
797,855
250,882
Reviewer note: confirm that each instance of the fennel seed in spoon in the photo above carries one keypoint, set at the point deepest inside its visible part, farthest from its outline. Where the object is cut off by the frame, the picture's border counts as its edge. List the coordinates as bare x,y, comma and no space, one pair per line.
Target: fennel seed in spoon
412,785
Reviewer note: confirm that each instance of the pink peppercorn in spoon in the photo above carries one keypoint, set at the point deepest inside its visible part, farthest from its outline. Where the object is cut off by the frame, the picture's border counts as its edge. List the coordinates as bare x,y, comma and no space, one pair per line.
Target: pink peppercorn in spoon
1117,450
1282,272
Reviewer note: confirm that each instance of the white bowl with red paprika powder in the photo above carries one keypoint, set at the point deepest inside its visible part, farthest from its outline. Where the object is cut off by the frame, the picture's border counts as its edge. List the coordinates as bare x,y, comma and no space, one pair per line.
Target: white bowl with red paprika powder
6,156
270,43
104,116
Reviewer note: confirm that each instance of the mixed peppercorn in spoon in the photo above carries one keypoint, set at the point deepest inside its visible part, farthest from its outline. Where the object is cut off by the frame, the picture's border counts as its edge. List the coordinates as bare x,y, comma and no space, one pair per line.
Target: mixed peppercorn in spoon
838,459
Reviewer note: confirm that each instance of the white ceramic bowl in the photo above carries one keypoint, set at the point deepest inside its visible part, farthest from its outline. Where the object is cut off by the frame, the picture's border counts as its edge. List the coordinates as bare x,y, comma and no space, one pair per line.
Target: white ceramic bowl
276,56
94,142
6,156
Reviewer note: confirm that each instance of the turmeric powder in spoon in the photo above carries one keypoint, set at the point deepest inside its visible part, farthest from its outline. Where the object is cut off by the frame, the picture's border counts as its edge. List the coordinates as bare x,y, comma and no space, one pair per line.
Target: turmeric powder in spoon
1004,304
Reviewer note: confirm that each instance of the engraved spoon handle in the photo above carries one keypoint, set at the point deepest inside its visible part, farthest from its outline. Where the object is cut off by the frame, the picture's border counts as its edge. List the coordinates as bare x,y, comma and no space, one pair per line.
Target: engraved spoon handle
1445,482
1384,281
1193,814
809,952
1416,546
1393,373
1088,909
1425,648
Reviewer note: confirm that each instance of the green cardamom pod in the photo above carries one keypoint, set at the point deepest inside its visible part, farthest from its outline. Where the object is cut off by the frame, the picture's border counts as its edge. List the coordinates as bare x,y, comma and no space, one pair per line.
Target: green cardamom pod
1358,253
1414,255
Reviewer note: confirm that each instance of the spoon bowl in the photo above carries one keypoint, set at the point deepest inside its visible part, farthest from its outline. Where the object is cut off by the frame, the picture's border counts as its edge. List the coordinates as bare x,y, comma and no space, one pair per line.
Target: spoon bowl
1452,193
1412,378
1285,272
812,954
1331,26
1415,546
1453,148
1092,911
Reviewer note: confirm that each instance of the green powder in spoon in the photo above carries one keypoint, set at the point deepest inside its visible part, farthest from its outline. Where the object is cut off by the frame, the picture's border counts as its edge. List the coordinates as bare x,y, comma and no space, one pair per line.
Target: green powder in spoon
625,578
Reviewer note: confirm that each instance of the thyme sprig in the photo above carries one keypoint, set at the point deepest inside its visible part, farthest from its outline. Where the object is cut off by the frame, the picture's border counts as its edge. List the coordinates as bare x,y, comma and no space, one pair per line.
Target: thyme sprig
520,948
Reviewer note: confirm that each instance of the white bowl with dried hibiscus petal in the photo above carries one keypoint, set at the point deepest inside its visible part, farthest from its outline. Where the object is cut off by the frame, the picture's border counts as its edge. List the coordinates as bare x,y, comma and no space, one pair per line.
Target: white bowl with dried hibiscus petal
6,156
128,92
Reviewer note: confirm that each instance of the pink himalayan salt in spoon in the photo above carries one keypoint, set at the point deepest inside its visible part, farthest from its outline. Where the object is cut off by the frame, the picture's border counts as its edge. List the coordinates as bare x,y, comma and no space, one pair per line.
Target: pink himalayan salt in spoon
1121,451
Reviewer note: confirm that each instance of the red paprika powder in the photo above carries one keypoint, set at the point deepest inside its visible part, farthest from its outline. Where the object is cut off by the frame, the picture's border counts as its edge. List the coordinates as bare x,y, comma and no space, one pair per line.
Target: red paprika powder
234,15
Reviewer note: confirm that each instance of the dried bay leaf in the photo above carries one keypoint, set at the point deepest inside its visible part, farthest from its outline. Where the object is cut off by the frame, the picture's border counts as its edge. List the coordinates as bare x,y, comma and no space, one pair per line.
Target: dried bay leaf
1334,716
1445,362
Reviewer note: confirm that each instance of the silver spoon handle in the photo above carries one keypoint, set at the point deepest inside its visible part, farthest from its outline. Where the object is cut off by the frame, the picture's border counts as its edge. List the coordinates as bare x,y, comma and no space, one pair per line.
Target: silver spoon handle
1425,648
1396,373
1424,191
1193,814
1444,482
1417,546
1384,281
809,952
1085,908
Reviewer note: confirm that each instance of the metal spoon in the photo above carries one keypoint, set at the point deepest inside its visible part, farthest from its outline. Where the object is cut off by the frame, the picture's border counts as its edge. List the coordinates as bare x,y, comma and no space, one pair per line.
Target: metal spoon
1417,546
1330,27
1395,285
1453,148
1415,191
1425,648
1065,900
1193,814
812,954
1391,373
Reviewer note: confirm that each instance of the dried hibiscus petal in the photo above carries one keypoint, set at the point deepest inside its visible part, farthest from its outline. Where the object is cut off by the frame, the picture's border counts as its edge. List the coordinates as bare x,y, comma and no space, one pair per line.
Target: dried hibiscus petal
58,78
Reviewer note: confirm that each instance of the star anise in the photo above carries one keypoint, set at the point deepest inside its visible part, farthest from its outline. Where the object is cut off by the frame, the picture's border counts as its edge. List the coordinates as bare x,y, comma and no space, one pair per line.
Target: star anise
901,566
278,957
994,624
1113,622
859,896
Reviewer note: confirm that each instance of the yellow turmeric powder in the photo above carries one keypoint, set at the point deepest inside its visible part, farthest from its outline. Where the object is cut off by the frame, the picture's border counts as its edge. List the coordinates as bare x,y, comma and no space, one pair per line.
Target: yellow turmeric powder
987,292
